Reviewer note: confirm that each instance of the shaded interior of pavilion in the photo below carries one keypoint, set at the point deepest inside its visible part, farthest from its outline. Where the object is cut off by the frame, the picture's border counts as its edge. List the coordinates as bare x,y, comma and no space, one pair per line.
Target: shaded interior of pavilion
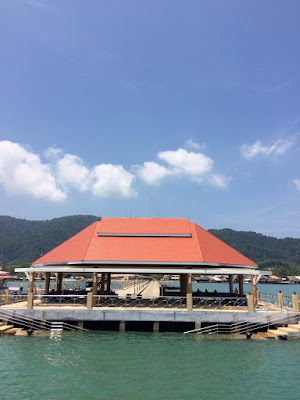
100,284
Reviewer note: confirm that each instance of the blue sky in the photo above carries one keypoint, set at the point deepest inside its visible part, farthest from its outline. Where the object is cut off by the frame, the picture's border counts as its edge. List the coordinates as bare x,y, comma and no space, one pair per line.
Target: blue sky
147,108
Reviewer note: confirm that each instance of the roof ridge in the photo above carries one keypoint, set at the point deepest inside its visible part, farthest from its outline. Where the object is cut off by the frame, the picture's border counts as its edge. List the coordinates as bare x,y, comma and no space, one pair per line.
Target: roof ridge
194,226
137,218
87,247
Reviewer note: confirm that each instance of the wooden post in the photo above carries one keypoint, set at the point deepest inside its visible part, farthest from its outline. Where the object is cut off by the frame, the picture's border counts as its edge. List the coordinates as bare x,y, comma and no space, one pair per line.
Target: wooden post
47,282
30,300
6,291
31,282
230,284
189,295
280,300
295,302
250,302
89,300
241,285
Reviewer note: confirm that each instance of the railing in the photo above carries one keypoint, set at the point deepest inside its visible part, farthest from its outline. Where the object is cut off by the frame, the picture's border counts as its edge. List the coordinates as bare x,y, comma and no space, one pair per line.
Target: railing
12,298
131,301
229,303
60,300
19,318
247,326
271,301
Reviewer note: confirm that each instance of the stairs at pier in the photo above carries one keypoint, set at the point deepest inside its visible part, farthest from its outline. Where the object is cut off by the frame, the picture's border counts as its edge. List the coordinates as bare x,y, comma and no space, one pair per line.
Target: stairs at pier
282,332
11,330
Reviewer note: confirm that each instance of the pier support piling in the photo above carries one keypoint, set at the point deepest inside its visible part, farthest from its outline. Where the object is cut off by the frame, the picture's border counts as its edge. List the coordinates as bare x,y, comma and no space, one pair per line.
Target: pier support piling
122,326
197,325
156,327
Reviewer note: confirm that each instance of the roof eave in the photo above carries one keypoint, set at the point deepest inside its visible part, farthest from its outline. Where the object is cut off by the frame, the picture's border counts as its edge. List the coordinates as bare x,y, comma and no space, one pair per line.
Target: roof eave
148,263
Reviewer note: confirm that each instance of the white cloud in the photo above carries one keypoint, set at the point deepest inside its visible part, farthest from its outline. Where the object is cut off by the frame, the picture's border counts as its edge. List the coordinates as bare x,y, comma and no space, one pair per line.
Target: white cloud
53,153
23,173
72,172
277,148
218,180
194,164
197,167
190,144
112,181
152,173
297,183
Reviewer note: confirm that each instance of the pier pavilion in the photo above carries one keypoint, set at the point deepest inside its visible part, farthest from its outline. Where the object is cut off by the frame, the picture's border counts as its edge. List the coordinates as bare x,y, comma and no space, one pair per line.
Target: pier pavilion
144,246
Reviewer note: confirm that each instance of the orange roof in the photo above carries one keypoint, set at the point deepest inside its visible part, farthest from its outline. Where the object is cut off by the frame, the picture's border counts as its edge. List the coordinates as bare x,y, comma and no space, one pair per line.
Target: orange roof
145,240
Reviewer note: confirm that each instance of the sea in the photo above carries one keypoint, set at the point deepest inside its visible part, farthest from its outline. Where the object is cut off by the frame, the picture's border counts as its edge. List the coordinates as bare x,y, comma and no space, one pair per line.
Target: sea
148,366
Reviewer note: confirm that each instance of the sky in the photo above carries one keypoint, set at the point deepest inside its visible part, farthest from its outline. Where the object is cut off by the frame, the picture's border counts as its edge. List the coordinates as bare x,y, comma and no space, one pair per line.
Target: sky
152,109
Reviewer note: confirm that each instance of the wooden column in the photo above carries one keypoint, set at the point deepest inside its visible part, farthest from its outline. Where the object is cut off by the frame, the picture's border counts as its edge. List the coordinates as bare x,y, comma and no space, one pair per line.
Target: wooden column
189,294
241,285
253,286
108,282
31,282
102,283
95,283
47,282
230,284
58,285
183,284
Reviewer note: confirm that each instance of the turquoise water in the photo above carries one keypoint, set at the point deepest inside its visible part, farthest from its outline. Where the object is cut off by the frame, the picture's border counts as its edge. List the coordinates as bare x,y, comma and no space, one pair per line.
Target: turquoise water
135,366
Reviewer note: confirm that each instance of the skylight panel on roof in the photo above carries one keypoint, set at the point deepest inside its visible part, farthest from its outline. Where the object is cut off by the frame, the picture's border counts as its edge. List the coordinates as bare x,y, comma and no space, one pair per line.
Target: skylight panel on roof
165,235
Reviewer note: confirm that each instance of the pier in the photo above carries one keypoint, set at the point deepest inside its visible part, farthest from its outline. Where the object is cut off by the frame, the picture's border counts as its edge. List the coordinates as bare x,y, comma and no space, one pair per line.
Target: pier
144,248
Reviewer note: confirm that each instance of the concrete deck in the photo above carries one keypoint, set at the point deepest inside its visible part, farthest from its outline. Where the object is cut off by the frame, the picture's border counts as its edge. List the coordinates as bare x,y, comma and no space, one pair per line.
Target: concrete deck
81,313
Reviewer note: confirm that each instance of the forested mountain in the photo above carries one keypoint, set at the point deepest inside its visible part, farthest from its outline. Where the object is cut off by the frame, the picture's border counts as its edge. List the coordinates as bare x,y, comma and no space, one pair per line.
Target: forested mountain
259,247
24,241
282,256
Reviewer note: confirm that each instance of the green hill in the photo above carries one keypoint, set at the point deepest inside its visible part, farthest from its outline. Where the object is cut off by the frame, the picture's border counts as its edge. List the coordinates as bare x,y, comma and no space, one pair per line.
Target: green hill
23,241
280,255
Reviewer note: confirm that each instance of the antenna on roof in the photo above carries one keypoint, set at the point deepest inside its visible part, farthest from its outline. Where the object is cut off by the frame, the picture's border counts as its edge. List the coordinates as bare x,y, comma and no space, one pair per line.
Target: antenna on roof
130,213
158,214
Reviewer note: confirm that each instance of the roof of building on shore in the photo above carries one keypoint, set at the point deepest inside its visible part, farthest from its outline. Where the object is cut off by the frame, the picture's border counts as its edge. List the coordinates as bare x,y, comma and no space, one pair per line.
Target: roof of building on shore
145,240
